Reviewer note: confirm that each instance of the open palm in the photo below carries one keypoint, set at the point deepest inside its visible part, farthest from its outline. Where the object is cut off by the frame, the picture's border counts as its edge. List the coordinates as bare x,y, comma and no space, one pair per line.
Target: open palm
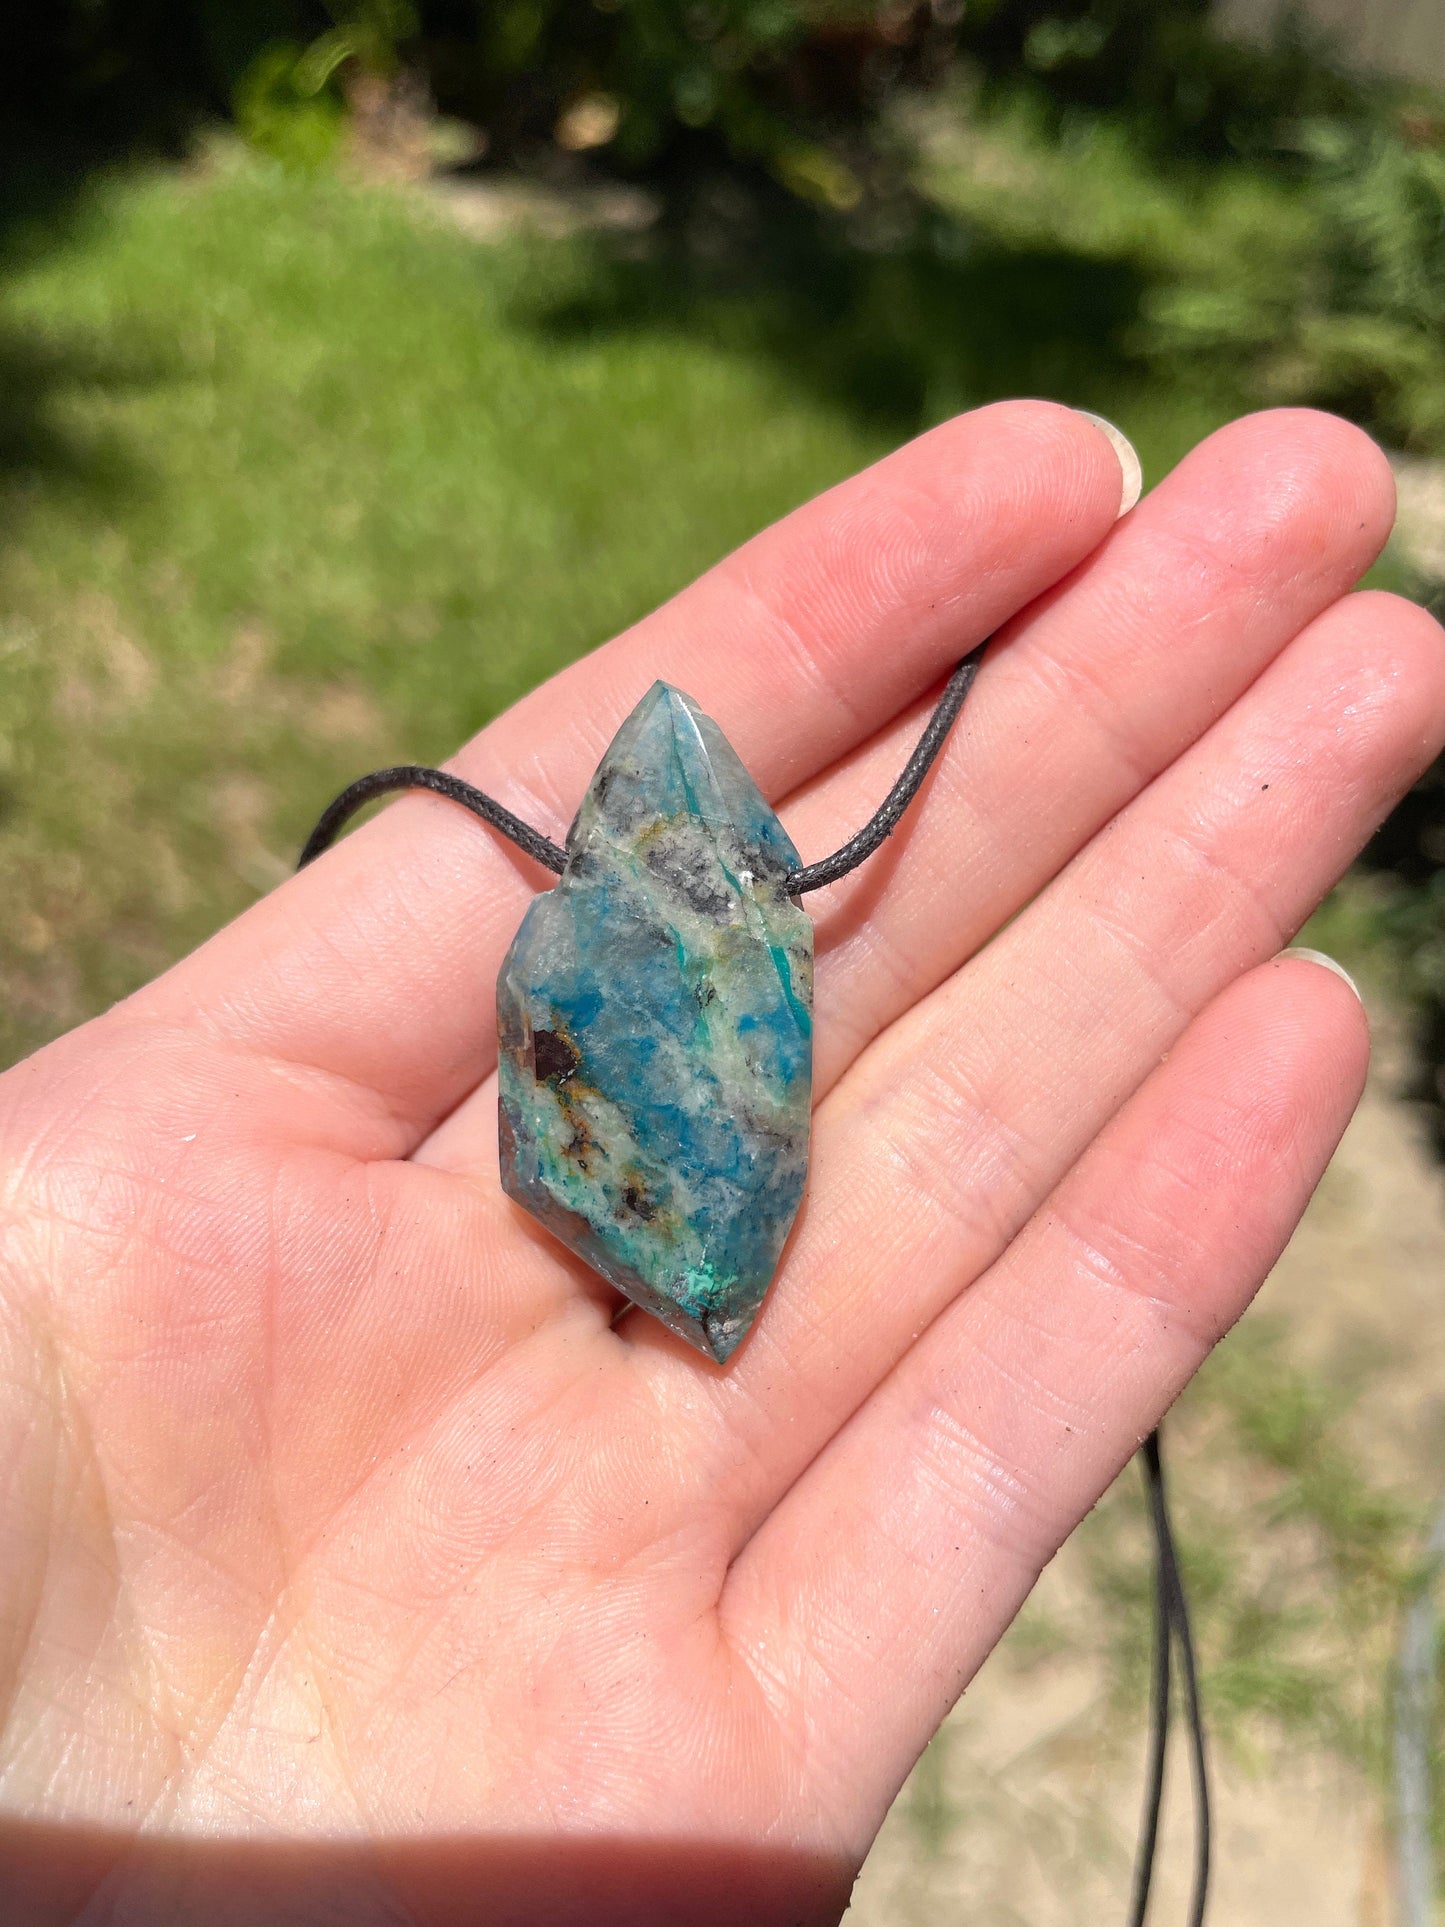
355,1565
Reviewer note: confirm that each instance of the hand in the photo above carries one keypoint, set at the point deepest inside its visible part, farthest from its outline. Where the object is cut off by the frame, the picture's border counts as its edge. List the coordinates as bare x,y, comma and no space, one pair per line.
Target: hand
335,1510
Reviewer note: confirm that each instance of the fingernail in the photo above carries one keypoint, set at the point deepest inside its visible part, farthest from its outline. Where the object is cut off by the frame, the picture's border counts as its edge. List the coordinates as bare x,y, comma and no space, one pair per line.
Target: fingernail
1325,963
1130,469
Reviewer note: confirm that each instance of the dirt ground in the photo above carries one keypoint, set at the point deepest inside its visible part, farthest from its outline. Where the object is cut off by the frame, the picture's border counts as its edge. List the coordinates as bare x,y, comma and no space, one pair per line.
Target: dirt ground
1017,1815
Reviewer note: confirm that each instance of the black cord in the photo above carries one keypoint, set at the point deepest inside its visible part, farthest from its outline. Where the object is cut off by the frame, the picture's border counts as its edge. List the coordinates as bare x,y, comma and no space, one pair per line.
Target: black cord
1159,1683
1171,1628
416,776
1171,1616
812,876
885,818
1198,1759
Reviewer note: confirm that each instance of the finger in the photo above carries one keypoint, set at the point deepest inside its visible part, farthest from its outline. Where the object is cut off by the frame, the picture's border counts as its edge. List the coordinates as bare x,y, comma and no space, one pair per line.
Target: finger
937,1147
874,1593
378,965
1089,695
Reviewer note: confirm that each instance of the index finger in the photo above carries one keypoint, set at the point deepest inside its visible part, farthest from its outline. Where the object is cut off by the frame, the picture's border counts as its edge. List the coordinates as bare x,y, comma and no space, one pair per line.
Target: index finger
377,964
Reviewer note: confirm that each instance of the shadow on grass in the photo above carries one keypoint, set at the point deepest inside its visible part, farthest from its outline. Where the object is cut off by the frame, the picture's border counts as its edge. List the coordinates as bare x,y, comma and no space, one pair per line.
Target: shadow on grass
898,331
43,445
40,450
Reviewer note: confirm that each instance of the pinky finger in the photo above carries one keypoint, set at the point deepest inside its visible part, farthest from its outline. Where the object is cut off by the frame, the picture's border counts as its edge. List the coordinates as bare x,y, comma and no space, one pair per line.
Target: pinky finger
879,1585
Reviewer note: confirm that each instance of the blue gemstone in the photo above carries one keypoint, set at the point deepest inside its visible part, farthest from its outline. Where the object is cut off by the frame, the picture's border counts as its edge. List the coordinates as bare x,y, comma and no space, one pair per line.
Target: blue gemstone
655,1022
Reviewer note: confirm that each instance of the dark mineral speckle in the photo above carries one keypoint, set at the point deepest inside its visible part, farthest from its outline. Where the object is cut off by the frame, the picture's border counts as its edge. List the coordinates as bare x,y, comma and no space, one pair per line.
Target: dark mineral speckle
553,1057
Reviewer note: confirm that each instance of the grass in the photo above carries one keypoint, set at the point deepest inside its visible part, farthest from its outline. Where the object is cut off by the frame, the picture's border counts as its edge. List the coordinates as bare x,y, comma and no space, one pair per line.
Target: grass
1296,1559
294,483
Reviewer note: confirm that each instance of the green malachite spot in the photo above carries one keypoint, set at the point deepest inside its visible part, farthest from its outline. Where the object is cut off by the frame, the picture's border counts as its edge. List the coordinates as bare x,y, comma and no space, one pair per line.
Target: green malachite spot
655,1022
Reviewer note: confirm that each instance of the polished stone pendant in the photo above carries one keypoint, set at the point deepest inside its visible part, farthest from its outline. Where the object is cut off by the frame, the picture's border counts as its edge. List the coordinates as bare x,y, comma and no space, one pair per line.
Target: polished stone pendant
654,1014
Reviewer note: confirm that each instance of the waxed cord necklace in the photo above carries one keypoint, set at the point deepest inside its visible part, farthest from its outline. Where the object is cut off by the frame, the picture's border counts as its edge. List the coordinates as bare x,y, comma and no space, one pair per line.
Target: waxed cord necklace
812,876
1171,1625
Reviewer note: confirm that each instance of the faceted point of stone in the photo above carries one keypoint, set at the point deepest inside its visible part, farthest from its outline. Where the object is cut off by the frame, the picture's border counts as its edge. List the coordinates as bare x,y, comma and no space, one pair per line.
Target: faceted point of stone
654,1016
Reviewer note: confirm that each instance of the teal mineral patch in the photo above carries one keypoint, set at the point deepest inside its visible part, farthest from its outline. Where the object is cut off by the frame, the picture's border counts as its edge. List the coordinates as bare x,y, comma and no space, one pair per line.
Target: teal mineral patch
655,1023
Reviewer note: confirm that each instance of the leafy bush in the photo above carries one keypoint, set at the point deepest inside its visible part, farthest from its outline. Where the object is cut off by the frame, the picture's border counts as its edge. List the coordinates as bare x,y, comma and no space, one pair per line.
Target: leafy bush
764,82
284,108
1351,312
793,86
1161,67
1316,277
788,87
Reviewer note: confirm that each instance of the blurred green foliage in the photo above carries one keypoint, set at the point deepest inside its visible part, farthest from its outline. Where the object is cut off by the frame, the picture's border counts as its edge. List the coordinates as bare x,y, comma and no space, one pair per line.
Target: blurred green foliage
284,108
1318,280
797,87
753,78
1350,312
1182,88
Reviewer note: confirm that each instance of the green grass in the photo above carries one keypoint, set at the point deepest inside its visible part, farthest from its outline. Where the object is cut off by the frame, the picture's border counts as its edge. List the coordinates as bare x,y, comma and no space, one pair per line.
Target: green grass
1295,1555
1296,1560
293,483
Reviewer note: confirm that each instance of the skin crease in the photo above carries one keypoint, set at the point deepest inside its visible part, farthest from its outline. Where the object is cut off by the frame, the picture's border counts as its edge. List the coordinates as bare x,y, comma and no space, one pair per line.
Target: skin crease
352,1563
